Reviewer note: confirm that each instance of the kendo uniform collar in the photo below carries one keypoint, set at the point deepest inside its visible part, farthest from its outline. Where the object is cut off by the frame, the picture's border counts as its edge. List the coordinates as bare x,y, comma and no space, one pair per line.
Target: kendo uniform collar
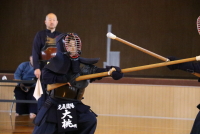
49,31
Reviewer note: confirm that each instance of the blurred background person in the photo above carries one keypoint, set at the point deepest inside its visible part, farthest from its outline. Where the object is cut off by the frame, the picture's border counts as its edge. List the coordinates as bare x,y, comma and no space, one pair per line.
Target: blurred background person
24,91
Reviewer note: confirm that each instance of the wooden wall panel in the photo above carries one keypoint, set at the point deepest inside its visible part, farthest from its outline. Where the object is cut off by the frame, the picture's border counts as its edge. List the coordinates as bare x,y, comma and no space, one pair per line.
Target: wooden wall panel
6,92
133,100
143,100
128,108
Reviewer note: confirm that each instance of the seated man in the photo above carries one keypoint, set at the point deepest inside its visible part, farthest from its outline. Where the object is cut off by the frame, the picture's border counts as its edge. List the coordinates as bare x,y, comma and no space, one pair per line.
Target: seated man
22,91
64,112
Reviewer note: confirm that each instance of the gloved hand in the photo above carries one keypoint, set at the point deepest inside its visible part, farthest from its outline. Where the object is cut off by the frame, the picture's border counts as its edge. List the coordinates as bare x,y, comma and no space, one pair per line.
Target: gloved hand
116,75
198,106
187,66
175,66
72,79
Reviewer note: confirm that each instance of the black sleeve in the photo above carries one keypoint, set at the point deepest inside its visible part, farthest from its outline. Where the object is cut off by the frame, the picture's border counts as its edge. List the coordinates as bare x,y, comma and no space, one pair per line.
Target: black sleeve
49,77
190,67
92,69
36,50
187,66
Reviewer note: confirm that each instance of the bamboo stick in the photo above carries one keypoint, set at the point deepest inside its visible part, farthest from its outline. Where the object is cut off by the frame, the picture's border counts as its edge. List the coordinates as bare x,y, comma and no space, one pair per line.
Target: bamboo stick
139,68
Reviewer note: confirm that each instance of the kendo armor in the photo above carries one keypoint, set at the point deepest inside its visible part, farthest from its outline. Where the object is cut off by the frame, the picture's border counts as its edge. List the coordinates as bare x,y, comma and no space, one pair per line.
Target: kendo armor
49,49
66,64
75,92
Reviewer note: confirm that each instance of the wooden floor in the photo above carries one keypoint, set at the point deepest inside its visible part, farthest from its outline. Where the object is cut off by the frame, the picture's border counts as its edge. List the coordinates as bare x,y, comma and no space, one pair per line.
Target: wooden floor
106,125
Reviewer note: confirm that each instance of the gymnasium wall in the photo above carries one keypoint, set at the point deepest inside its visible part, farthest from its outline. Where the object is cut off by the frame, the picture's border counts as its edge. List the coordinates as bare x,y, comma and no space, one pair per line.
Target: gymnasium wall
166,27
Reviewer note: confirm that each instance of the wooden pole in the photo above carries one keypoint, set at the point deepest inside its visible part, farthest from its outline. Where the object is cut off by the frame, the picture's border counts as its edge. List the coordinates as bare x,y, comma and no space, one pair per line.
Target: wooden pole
112,36
90,76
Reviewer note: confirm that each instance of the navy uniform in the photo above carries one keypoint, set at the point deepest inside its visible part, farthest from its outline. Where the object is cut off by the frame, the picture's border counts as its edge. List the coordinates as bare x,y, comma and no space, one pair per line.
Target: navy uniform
44,48
192,67
63,112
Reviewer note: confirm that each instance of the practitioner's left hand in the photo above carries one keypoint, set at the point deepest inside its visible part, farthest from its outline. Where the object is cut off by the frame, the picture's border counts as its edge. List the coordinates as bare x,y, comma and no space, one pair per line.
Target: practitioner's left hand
72,80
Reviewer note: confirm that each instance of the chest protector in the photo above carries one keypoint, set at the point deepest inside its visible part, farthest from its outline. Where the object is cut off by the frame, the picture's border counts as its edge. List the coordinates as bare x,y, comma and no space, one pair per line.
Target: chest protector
49,49
70,92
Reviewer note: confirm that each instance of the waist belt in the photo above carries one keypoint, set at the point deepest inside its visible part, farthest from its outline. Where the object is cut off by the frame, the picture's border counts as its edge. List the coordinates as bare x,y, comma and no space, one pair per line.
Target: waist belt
25,88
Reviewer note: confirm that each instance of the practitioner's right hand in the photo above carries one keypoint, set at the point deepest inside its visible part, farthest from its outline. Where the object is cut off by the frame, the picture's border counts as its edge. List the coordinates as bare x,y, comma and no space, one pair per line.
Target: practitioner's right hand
37,73
175,66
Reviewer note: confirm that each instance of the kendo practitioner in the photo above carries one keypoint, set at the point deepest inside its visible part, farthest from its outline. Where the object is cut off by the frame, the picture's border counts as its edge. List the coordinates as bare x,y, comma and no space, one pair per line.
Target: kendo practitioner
25,91
63,112
191,67
44,48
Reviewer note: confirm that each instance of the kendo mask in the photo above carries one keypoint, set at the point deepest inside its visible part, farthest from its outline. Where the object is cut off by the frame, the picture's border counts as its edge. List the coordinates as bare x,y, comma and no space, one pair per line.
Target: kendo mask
72,45
68,50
